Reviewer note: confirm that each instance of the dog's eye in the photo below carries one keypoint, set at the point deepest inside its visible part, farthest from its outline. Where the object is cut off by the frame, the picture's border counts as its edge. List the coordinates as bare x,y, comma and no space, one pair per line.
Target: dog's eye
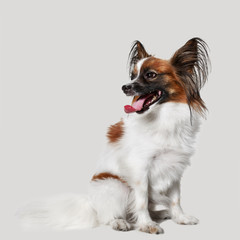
150,75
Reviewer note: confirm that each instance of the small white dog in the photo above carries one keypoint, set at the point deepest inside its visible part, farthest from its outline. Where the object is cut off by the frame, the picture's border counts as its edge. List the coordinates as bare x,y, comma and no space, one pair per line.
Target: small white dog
147,151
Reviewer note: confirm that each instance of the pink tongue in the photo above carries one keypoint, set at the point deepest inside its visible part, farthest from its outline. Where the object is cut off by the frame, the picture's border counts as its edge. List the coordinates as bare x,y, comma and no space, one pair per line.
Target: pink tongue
137,106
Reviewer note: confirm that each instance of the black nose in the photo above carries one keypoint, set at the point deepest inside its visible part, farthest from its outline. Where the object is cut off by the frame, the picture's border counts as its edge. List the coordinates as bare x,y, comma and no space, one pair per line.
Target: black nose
127,88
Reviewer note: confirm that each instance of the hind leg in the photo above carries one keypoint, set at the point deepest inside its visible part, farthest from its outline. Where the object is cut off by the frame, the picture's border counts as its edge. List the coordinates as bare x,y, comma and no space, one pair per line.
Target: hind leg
110,200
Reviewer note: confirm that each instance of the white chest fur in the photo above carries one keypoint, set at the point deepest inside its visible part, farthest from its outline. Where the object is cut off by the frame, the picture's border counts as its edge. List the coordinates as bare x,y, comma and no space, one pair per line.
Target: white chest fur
160,143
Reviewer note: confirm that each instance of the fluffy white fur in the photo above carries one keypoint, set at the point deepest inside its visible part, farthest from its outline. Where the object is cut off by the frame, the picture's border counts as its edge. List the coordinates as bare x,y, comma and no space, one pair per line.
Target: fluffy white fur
151,156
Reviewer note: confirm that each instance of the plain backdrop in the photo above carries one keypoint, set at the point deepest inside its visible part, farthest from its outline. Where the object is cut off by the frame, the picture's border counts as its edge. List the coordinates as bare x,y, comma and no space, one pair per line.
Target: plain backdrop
62,67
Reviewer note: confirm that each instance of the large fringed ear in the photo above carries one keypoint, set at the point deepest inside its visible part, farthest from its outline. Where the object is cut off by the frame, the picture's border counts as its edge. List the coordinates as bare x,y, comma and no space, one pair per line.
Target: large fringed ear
193,58
191,63
137,53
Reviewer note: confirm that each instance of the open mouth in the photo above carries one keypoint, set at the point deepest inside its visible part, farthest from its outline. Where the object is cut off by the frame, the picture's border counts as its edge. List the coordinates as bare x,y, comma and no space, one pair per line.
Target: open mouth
142,103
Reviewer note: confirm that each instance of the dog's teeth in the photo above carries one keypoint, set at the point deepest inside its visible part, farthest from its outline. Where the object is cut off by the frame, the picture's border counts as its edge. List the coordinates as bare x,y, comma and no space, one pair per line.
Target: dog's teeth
153,99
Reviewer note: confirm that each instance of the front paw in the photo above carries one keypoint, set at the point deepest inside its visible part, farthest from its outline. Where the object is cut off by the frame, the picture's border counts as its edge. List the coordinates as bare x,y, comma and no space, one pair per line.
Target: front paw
185,219
151,227
120,225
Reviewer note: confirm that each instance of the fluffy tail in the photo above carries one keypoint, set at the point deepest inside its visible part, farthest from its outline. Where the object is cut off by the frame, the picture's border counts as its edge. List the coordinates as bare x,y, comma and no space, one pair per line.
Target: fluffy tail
62,213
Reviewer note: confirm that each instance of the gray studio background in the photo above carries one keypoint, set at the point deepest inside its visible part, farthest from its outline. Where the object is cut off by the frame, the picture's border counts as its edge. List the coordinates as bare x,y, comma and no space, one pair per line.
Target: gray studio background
62,67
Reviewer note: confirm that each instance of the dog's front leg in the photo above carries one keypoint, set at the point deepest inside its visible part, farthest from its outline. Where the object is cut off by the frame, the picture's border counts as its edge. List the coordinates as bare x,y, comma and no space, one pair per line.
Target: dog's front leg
175,209
144,221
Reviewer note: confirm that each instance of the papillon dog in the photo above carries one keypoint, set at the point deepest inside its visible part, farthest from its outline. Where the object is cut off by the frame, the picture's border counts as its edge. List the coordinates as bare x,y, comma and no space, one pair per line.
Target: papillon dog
147,151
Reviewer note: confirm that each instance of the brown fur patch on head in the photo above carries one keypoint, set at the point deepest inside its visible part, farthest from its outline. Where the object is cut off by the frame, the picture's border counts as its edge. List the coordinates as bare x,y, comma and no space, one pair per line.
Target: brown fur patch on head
106,175
115,132
170,80
157,64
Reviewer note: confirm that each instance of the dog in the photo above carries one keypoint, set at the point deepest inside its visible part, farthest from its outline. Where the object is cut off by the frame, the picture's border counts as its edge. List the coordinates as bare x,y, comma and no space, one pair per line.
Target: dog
147,151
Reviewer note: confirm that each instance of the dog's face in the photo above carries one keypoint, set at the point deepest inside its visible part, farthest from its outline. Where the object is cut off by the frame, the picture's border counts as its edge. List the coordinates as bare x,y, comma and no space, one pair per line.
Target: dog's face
156,81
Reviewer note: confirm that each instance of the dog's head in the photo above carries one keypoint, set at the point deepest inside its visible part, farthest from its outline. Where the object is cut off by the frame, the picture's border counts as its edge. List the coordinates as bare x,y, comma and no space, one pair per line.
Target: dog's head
156,81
